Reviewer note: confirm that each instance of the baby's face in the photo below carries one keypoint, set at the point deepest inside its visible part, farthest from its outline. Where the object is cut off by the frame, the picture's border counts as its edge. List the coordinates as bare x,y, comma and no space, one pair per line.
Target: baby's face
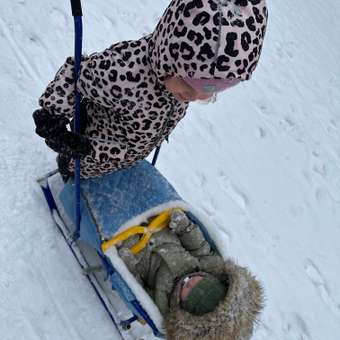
183,92
189,285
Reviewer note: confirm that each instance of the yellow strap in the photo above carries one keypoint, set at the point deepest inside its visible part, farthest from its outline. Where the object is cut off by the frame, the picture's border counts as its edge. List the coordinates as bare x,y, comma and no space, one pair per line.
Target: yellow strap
164,217
158,223
145,239
123,236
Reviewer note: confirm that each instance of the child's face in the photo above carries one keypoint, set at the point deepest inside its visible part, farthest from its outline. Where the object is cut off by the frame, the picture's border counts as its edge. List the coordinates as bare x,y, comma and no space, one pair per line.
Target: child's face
189,285
183,92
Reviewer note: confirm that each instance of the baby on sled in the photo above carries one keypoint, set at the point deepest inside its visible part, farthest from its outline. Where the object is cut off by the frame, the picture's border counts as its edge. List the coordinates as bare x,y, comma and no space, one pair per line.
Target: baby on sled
200,295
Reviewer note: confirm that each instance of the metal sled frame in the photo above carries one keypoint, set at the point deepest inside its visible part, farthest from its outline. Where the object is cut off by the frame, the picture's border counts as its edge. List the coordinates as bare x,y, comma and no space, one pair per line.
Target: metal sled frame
123,326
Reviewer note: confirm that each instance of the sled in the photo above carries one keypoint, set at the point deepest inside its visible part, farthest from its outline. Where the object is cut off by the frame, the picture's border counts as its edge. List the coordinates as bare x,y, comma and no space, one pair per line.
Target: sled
109,205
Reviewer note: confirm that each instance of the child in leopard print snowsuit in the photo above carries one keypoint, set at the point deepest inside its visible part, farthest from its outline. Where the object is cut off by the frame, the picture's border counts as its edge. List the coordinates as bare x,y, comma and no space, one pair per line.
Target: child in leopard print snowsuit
135,92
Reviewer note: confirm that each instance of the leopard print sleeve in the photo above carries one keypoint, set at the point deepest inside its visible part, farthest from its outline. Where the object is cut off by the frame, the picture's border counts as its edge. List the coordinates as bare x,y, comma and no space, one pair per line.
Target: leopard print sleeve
58,98
97,82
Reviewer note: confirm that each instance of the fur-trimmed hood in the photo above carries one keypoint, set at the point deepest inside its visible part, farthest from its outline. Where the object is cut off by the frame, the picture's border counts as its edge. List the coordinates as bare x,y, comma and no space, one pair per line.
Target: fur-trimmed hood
233,319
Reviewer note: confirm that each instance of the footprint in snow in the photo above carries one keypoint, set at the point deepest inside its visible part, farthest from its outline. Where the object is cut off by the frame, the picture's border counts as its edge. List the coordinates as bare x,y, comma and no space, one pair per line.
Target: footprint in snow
320,285
321,169
334,123
233,191
297,329
200,178
262,108
261,132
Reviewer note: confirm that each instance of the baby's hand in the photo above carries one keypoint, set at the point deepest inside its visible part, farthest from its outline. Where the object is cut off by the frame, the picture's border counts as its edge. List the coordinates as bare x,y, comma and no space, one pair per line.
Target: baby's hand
179,221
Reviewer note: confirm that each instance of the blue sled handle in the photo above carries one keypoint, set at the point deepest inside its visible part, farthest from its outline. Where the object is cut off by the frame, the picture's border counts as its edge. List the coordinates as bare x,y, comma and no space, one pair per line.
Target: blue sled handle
78,26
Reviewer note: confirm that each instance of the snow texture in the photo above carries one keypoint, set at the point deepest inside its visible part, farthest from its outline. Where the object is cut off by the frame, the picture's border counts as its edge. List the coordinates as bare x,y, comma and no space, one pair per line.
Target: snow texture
263,163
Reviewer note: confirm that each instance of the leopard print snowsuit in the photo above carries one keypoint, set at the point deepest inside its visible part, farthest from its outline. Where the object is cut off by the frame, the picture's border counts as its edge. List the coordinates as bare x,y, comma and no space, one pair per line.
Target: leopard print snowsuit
130,112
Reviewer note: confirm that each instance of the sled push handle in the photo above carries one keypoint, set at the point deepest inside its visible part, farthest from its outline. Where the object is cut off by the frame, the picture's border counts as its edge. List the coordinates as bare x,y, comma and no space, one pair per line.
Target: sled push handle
78,28
76,8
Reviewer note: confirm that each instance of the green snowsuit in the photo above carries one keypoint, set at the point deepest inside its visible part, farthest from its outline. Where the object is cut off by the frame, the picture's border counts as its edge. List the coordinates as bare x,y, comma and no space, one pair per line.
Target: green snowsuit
168,257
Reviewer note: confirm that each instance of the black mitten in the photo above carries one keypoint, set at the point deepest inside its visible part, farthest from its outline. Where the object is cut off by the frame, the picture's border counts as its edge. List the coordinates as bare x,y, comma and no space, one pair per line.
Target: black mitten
58,138
48,125
70,144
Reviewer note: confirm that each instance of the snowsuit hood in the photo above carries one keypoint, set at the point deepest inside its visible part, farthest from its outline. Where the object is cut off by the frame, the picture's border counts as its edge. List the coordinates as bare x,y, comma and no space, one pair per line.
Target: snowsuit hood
233,319
206,39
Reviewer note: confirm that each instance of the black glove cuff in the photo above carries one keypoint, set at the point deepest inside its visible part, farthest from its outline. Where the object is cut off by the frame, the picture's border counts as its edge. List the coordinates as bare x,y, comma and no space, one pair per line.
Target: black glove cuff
70,144
49,125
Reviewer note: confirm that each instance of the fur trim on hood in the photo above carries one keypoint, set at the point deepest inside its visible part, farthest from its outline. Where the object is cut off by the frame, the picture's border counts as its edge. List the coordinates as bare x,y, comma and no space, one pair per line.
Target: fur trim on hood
233,319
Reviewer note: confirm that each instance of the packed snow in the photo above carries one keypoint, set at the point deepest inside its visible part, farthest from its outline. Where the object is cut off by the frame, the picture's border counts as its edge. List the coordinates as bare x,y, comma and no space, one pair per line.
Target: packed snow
263,163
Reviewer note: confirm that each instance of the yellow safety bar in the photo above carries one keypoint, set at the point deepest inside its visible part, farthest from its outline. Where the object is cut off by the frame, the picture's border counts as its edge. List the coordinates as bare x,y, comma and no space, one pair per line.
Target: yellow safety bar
157,224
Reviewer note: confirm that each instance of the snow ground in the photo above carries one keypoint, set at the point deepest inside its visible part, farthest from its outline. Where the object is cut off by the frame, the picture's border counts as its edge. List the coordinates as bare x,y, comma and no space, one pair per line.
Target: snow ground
263,163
